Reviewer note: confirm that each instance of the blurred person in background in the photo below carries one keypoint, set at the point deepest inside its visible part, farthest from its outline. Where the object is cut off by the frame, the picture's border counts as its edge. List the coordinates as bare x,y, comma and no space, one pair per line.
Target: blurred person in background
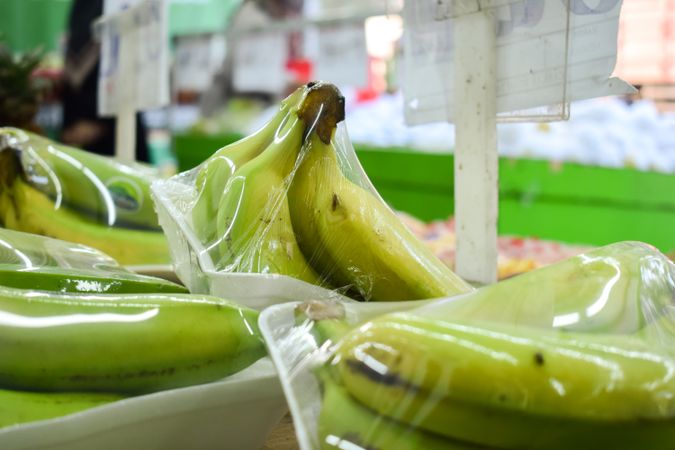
82,127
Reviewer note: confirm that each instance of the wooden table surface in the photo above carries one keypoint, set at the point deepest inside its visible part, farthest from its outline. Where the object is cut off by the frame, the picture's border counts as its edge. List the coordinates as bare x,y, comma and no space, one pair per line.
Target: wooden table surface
282,436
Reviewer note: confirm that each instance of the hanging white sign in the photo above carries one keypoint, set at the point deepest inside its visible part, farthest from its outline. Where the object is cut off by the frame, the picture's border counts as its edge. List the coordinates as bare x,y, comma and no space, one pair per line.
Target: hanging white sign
260,62
342,56
134,57
549,52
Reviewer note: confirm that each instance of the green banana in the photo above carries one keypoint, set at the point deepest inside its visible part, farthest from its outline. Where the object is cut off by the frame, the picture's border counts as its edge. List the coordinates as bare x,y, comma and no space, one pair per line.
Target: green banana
532,388
31,261
61,279
18,407
346,424
32,250
599,291
215,172
125,343
351,237
253,218
110,192
24,208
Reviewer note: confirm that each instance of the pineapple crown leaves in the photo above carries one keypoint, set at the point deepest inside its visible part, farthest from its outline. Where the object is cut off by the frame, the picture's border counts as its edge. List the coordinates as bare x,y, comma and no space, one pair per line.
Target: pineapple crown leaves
19,90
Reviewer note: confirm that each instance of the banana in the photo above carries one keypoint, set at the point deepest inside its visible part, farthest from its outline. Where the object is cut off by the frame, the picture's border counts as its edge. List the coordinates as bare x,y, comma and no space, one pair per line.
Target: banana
24,208
215,172
110,192
351,237
600,291
17,407
345,424
32,250
31,261
61,279
126,343
532,388
253,219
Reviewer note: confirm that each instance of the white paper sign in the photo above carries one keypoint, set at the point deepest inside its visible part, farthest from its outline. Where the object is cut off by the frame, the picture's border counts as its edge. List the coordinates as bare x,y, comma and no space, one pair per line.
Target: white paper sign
197,59
260,62
549,52
134,57
341,55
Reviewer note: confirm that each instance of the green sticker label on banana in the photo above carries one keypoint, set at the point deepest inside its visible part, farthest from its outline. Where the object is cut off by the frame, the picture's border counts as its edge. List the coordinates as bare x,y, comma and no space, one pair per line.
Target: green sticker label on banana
126,193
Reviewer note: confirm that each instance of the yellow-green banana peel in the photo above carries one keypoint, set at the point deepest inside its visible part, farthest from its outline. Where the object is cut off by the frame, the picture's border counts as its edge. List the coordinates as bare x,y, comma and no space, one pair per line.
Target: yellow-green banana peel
126,343
355,240
19,407
216,171
533,388
24,208
107,191
346,424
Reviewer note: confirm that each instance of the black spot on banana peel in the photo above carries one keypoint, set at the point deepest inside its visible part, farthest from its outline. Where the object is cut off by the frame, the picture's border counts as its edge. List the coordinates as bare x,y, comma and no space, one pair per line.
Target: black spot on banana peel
322,109
539,359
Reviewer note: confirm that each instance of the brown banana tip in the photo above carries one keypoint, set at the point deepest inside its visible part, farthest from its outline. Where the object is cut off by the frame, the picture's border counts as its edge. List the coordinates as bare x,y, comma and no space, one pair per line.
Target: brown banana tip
322,109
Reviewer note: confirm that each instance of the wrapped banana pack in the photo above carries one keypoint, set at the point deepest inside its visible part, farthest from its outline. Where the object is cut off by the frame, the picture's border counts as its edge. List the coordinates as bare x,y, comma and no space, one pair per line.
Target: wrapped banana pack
288,211
78,331
577,355
58,191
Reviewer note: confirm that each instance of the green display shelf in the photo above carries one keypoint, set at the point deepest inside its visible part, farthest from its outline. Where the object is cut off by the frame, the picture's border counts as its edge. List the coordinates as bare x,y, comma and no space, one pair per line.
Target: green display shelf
560,201
29,24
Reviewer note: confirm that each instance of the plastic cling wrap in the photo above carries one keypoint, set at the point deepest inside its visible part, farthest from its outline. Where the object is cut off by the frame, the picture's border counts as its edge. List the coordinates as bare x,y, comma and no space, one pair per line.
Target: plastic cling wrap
61,352
95,356
30,261
59,191
292,201
246,407
579,354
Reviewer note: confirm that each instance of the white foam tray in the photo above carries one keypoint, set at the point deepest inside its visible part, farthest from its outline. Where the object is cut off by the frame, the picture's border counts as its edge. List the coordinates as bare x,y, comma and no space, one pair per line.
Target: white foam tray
236,413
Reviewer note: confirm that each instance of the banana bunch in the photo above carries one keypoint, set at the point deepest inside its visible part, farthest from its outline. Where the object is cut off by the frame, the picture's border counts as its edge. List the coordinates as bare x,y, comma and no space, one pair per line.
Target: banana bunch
279,202
26,208
469,374
215,172
100,187
61,353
